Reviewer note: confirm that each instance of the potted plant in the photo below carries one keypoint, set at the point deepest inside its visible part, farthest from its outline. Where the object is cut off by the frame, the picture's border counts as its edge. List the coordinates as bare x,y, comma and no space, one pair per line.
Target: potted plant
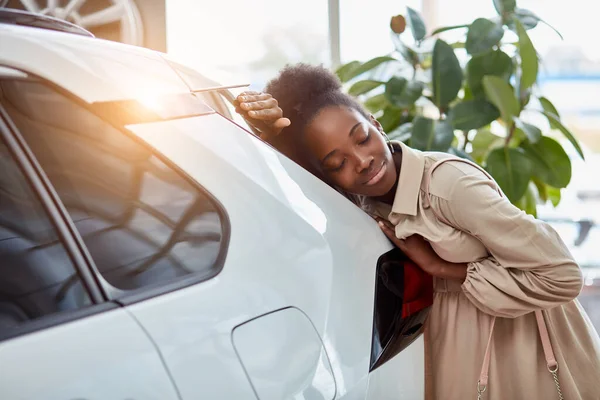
476,98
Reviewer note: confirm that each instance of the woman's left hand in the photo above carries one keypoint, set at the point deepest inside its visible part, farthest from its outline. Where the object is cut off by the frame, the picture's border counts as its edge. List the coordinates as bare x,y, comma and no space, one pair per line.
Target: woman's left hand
416,248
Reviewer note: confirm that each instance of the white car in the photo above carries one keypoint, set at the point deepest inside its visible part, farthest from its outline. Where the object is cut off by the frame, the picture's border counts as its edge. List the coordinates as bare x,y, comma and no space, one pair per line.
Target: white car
151,248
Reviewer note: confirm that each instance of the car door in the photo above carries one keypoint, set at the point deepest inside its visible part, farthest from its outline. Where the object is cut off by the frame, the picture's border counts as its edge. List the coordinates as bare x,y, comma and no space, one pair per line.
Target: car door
152,234
59,336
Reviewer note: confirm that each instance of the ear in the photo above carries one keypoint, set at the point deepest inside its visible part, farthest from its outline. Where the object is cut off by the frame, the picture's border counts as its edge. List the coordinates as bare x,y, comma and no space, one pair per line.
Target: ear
376,123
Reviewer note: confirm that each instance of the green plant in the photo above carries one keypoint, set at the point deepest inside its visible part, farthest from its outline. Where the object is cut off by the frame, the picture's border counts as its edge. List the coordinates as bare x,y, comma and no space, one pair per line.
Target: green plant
479,107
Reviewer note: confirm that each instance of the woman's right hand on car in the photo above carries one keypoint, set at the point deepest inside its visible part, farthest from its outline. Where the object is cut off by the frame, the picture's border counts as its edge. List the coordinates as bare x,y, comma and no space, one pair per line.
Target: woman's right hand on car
261,111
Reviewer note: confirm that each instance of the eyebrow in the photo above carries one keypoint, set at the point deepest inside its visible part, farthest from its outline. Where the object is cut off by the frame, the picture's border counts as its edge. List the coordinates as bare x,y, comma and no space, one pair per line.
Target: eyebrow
352,130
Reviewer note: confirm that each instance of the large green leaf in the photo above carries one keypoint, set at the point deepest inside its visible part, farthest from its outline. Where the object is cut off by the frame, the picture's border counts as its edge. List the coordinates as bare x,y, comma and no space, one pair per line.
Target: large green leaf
472,114
403,93
345,72
417,25
446,74
496,63
528,202
505,6
554,195
529,20
550,162
401,133
549,108
484,142
431,135
353,69
499,92
529,60
369,65
448,28
542,189
391,118
511,168
376,103
362,87
483,35
554,120
532,132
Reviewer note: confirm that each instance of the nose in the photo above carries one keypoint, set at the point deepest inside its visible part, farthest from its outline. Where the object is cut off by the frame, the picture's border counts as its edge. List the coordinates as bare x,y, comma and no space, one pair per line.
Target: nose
364,162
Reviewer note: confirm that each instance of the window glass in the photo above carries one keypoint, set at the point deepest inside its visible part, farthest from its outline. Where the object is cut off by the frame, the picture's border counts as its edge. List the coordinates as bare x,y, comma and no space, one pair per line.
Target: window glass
143,223
240,41
365,27
37,277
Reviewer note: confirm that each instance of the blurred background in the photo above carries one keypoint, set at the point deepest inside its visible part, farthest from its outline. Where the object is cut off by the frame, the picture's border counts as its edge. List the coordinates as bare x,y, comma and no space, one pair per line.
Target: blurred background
240,41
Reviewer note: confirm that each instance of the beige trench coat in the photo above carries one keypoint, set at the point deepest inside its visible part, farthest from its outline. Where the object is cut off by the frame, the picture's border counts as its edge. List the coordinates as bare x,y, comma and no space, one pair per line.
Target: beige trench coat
516,265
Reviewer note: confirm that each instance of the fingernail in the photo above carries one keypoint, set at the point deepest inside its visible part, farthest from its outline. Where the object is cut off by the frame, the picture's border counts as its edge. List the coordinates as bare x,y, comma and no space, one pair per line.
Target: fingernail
252,113
381,224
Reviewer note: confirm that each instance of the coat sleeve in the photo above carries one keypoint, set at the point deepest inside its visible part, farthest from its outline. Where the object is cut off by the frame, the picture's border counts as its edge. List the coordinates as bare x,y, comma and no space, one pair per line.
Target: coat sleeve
529,266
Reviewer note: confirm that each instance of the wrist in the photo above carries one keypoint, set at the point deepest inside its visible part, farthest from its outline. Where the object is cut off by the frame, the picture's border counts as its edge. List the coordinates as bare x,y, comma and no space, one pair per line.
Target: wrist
449,270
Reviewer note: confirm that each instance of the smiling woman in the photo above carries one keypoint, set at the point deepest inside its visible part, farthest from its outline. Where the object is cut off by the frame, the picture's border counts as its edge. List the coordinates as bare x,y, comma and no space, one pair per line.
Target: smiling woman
499,275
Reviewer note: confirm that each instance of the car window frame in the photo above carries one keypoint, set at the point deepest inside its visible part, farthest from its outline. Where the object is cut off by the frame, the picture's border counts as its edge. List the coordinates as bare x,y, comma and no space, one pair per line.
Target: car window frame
38,185
86,261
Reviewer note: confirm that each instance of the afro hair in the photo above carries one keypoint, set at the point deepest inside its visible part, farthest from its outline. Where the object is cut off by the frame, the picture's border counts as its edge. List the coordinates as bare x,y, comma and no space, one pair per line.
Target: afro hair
302,90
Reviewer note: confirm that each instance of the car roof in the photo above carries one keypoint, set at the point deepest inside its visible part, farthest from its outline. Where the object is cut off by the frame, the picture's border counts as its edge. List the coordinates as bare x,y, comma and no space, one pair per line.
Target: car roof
96,70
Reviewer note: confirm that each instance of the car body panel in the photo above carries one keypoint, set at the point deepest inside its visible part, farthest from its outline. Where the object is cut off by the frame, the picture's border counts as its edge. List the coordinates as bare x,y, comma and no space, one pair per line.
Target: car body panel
119,72
284,357
99,357
389,382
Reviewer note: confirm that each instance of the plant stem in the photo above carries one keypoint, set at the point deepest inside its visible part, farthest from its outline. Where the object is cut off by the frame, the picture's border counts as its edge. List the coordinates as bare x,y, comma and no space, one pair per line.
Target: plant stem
467,140
510,134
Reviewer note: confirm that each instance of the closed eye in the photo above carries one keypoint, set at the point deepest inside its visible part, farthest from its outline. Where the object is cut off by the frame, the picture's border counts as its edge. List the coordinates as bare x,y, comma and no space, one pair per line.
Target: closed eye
365,140
339,167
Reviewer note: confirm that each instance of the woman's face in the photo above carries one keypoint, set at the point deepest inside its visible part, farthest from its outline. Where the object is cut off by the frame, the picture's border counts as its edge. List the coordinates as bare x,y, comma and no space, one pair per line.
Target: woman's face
350,152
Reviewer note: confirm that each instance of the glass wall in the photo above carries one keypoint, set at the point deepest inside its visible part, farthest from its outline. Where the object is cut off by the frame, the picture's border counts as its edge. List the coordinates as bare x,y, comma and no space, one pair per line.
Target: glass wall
247,40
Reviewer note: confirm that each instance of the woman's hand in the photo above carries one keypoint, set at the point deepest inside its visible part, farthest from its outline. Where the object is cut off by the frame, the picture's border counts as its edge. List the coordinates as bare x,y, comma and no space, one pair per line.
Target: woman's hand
421,253
262,111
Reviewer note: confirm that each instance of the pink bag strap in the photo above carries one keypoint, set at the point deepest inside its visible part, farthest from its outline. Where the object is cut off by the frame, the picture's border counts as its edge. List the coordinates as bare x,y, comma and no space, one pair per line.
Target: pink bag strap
541,323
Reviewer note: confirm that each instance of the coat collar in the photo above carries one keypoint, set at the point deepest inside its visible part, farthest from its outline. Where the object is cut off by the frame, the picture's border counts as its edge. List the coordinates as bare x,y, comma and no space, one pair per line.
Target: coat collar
406,199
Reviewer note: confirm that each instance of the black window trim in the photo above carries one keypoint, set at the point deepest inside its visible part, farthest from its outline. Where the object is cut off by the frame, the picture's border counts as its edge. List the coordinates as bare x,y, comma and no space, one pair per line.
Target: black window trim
54,209
29,168
110,292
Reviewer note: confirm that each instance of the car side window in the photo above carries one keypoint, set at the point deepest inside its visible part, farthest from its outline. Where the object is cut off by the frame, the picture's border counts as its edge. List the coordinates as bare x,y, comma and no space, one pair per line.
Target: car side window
37,277
143,223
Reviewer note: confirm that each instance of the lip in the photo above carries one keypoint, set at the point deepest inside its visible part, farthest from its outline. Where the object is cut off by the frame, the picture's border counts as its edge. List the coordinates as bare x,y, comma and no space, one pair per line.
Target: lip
376,176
